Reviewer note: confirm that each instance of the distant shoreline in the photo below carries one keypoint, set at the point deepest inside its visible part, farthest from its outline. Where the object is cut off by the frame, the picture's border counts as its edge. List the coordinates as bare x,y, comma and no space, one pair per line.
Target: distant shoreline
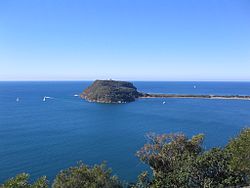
187,96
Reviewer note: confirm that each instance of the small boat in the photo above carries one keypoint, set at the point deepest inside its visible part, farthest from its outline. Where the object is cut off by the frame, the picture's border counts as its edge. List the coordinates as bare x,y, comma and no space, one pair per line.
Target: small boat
194,87
17,99
164,102
76,95
45,97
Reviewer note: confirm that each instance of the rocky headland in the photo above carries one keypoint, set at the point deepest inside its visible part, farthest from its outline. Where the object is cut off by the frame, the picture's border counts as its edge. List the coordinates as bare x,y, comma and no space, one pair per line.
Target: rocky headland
111,91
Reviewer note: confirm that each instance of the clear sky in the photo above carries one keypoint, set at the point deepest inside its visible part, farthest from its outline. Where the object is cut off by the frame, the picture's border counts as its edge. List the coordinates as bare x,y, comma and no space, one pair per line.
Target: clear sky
204,40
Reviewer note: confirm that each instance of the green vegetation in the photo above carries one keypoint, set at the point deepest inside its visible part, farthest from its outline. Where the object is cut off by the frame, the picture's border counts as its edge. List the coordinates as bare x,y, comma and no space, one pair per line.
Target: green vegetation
111,91
22,181
239,148
175,160
83,176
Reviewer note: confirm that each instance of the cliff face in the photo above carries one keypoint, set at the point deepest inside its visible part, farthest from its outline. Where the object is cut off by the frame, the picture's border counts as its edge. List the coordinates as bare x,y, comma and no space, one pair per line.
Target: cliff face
110,91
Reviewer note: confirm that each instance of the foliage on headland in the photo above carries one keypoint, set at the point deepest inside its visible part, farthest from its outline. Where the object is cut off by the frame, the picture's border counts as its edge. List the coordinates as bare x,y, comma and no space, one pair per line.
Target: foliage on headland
176,161
110,91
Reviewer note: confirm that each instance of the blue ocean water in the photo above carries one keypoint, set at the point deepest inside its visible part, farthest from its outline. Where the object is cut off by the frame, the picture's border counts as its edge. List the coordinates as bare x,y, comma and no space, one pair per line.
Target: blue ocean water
41,138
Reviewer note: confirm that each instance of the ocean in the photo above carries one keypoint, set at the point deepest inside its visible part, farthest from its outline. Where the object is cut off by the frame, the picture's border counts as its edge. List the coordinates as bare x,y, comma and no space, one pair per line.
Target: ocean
43,137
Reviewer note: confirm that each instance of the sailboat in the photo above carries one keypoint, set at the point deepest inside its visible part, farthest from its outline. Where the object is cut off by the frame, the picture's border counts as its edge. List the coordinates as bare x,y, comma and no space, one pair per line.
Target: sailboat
45,97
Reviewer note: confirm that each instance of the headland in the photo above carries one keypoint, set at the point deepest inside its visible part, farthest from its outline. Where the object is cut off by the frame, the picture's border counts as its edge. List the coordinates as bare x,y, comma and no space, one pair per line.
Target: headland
112,91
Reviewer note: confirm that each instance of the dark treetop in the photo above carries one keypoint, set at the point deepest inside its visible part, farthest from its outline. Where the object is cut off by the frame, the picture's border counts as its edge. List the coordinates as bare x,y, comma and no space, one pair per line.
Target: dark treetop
111,91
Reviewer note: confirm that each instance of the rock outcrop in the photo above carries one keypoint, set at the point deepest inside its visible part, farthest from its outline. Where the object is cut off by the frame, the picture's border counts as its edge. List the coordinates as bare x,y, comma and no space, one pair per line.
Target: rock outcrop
111,91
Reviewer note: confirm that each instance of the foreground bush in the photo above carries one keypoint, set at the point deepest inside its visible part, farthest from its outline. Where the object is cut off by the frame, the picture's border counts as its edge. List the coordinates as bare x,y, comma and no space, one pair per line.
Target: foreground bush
171,157
239,148
177,161
212,169
83,176
22,181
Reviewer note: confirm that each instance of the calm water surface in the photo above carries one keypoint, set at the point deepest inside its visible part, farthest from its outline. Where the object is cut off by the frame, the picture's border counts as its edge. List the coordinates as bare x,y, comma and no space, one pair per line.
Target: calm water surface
41,138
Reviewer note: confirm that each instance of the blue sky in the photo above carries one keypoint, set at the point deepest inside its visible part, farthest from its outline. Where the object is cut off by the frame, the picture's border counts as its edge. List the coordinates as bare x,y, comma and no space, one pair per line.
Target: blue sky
206,40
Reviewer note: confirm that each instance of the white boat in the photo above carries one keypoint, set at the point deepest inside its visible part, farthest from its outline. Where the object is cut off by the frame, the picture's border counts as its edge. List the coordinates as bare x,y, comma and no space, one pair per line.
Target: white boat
45,97
76,95
17,99
164,102
194,87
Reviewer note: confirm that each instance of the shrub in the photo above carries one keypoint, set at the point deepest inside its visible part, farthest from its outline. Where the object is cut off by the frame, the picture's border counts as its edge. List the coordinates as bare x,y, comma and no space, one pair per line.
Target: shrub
212,169
83,176
177,161
239,149
170,156
22,181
